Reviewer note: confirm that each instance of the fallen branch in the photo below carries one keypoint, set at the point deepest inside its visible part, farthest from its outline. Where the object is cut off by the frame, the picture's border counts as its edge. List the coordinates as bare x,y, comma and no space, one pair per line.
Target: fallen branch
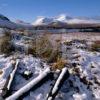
6,75
12,75
6,89
59,82
30,85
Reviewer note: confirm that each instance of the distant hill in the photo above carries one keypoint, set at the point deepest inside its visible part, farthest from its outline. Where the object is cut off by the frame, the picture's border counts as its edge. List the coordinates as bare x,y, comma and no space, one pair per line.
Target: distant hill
6,23
61,21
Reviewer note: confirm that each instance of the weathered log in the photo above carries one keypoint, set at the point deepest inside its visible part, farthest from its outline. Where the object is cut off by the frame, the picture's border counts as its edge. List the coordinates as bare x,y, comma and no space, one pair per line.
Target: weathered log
6,88
12,74
30,85
58,83
6,75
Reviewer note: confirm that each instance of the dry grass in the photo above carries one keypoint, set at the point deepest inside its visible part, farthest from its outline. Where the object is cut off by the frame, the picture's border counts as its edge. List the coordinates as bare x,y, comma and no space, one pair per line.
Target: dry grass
59,64
67,43
1,71
54,56
95,46
48,50
5,46
41,47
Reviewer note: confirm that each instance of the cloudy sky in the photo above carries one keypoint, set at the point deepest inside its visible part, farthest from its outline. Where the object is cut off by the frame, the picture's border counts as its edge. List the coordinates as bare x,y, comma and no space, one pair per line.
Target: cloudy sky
28,10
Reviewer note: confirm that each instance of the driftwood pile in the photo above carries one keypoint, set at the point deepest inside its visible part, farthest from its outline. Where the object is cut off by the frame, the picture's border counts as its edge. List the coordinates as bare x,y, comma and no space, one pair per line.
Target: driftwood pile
44,76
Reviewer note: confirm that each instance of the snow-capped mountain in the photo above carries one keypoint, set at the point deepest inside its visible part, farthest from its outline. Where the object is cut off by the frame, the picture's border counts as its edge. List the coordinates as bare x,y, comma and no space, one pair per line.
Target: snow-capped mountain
43,21
61,21
64,19
76,20
46,21
84,21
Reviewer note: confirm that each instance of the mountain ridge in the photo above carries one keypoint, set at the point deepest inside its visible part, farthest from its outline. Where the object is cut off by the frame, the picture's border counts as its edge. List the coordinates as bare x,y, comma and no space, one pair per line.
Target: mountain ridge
59,21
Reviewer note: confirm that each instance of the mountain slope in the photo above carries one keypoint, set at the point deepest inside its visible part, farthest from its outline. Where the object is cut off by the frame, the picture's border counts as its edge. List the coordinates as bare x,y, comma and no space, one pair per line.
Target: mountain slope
6,23
65,19
43,21
61,21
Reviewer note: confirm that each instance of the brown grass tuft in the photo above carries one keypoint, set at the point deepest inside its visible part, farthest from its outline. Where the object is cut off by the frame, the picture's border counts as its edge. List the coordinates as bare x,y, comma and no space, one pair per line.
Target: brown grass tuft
1,71
5,46
59,64
95,46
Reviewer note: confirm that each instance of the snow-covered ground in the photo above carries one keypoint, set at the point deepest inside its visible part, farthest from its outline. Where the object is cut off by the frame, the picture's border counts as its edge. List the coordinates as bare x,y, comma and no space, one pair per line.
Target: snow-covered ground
27,63
83,83
85,78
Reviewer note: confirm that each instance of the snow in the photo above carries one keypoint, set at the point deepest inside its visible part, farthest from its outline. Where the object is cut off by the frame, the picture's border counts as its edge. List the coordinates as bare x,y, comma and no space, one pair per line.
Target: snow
37,67
86,59
59,79
6,67
26,62
29,85
57,84
12,75
73,20
84,81
79,96
63,18
78,91
77,21
42,21
83,84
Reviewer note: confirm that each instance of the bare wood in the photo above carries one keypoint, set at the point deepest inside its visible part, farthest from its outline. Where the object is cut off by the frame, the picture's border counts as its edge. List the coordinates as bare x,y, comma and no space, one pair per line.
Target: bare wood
12,75
59,82
28,86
